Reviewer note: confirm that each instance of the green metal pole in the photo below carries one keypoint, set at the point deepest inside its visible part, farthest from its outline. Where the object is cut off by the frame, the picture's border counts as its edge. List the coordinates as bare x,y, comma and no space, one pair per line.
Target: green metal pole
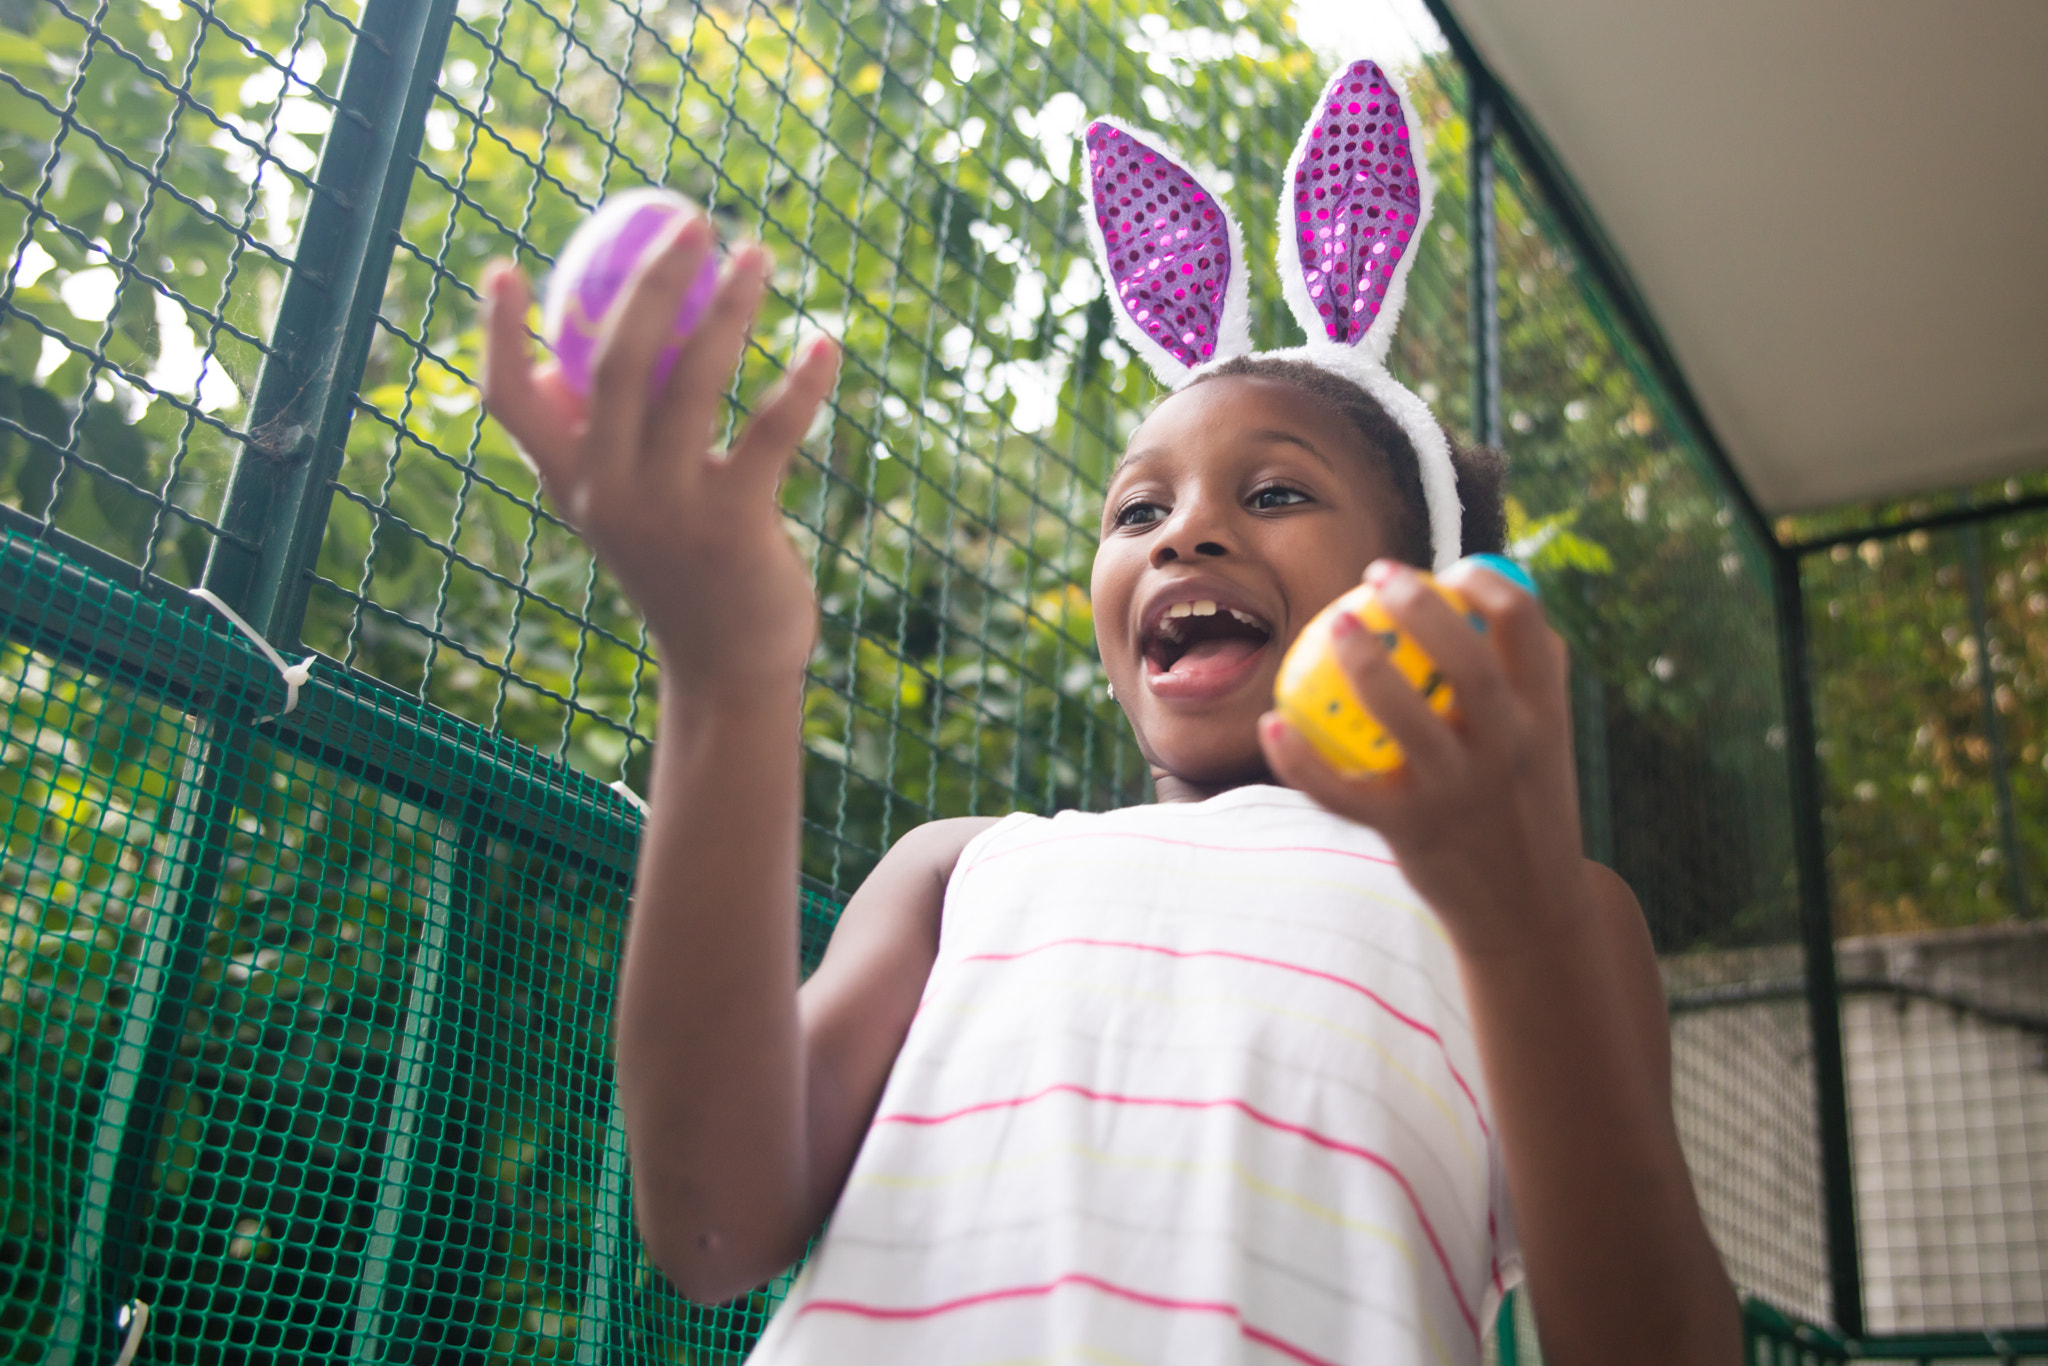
1485,246
279,490
1994,730
1823,997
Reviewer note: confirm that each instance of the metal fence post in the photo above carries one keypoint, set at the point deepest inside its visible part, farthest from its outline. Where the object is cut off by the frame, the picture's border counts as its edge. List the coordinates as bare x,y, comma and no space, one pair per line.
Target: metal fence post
1823,997
1994,730
279,490
1485,288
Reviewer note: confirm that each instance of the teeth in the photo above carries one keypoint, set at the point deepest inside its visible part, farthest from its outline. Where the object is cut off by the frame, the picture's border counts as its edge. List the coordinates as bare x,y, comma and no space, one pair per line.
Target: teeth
1170,624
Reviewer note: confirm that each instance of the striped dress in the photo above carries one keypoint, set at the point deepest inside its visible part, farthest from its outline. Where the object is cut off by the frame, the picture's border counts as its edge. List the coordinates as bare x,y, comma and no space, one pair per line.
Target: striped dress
1189,1084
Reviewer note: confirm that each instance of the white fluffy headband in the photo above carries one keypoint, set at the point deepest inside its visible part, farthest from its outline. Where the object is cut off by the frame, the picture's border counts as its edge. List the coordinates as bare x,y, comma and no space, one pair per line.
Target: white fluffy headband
1351,217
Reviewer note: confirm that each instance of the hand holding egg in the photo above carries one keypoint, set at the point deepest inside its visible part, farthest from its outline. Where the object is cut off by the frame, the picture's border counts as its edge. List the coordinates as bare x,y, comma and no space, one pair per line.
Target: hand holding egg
1314,696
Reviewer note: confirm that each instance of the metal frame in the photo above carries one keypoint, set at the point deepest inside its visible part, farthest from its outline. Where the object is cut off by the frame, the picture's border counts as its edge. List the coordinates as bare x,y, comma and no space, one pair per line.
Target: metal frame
272,523
1492,111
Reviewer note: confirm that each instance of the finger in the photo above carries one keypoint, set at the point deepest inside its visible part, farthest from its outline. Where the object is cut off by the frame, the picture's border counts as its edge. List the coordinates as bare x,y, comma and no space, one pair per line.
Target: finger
762,454
1465,657
1295,762
1426,739
689,406
1528,649
527,405
638,327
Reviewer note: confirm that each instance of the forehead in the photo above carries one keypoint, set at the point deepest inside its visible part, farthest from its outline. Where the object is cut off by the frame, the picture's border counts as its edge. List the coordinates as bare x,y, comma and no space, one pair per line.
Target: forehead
1231,413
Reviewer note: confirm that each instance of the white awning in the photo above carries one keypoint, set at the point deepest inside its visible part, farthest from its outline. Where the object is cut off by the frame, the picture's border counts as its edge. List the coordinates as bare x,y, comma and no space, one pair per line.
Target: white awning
1837,211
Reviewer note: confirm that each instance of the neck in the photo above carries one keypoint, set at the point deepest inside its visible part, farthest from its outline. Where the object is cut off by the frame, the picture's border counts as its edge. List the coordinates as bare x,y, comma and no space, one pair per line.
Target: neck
1174,787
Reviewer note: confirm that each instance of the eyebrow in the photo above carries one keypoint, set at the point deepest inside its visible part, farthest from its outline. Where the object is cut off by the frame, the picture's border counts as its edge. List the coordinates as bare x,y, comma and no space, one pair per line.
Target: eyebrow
1265,435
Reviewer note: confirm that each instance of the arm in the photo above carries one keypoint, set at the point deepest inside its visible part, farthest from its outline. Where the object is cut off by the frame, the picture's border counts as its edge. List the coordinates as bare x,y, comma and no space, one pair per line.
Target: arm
718,1066
1576,1048
1566,1004
746,1098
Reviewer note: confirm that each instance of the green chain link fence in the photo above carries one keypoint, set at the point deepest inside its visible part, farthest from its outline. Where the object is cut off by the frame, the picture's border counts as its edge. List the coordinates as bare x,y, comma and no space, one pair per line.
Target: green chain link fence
306,1014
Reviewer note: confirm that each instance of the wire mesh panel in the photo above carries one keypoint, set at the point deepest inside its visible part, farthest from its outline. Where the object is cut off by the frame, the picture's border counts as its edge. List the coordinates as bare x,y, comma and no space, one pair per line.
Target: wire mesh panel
307,1046
154,166
913,167
307,1015
1929,652
1663,590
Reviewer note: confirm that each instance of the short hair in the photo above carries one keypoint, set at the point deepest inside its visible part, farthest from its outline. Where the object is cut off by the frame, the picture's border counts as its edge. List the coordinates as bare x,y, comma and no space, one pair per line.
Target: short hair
1481,470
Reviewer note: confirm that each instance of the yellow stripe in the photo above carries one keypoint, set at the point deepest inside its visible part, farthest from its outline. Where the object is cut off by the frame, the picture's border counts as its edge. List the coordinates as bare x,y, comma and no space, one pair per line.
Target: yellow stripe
1074,1352
1416,909
993,1000
1251,1180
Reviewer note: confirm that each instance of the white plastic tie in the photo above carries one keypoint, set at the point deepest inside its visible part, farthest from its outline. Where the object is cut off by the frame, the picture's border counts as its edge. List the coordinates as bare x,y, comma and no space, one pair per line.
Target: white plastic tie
294,675
135,1318
633,799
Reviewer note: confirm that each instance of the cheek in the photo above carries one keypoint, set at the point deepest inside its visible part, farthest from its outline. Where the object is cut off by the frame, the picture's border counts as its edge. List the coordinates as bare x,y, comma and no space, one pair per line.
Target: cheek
1109,596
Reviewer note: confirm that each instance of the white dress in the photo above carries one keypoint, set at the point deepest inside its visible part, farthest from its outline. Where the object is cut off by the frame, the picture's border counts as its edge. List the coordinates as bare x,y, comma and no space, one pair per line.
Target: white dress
1189,1084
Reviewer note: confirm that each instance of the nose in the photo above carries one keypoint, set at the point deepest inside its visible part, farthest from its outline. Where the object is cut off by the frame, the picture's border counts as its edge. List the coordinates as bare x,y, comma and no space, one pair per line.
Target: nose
1196,529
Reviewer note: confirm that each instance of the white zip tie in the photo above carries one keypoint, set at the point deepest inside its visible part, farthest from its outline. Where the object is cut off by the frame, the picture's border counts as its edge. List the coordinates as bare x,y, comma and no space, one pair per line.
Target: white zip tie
294,675
136,1319
634,799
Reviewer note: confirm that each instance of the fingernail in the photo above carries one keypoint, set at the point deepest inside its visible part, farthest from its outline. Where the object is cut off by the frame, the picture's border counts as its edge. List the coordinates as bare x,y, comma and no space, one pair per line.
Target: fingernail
1272,725
1346,624
695,232
1380,571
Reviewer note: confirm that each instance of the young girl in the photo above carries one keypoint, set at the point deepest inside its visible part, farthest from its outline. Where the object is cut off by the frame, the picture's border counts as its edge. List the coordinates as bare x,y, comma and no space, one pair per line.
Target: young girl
1289,1066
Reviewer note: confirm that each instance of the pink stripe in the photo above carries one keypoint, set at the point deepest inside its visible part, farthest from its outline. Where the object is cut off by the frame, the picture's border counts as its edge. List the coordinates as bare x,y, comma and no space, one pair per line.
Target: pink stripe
1258,1335
1227,1103
1345,982
986,859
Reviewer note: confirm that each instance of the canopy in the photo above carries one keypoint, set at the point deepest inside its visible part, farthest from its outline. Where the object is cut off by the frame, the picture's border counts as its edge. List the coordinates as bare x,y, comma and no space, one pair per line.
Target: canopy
1836,211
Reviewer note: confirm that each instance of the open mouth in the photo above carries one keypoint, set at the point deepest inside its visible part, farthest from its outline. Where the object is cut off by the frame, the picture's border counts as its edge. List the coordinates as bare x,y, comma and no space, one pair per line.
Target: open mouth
1201,639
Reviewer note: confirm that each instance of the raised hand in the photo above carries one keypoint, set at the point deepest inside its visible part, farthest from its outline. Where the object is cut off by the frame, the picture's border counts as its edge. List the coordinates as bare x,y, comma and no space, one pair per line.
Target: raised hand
692,533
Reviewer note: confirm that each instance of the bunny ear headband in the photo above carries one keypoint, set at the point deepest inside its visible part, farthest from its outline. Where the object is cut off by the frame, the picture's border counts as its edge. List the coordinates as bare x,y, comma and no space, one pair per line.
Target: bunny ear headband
1352,213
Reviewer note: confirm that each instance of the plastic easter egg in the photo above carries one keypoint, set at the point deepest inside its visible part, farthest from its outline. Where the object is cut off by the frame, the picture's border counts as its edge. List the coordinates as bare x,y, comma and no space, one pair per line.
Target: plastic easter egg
594,267
1316,698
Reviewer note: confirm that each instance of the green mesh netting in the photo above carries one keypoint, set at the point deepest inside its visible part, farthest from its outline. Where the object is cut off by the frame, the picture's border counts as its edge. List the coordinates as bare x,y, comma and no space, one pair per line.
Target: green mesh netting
306,1018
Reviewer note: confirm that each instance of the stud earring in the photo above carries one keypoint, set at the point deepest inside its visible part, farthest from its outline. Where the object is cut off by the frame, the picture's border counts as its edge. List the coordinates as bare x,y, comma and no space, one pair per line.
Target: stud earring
1109,689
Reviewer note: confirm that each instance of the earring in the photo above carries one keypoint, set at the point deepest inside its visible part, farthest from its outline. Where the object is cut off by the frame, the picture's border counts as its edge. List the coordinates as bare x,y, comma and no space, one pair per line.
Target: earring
1109,689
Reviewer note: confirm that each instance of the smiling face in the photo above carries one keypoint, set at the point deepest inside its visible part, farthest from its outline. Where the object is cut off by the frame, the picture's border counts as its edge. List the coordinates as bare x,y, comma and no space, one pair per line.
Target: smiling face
1243,507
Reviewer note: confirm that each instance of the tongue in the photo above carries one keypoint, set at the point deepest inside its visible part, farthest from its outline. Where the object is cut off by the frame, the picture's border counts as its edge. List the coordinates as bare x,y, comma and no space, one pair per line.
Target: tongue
1220,655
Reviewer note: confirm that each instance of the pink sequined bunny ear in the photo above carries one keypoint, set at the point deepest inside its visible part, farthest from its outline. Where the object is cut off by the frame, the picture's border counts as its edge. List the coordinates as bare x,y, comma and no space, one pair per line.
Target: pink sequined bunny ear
1173,255
1352,214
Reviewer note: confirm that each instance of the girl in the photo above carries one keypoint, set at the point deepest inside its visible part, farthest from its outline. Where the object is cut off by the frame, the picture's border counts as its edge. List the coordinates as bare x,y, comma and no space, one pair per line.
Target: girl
1287,1067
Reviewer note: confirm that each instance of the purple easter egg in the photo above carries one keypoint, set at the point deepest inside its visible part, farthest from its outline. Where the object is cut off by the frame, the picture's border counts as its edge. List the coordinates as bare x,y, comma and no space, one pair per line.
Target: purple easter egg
595,266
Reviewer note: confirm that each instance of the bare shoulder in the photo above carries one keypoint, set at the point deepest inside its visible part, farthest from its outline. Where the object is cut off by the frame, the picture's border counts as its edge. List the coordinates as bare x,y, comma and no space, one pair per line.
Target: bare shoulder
920,863
1632,959
896,910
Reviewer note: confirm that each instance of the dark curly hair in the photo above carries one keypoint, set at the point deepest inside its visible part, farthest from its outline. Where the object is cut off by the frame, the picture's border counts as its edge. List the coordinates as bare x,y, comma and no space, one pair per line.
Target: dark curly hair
1481,470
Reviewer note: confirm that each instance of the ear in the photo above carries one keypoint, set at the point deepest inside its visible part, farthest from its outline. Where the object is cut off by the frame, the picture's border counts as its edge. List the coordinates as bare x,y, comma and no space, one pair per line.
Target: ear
1171,253
1352,213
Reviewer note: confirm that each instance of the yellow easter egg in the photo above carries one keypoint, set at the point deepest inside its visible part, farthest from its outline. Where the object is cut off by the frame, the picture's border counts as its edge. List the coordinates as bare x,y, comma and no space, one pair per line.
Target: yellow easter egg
1316,698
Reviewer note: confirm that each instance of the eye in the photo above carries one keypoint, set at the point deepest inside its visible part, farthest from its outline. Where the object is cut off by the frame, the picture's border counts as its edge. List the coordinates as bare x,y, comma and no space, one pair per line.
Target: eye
1140,513
1277,496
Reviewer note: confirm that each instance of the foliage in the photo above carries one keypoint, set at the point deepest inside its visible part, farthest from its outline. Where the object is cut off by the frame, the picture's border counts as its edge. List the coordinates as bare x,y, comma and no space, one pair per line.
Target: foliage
1911,754
914,167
